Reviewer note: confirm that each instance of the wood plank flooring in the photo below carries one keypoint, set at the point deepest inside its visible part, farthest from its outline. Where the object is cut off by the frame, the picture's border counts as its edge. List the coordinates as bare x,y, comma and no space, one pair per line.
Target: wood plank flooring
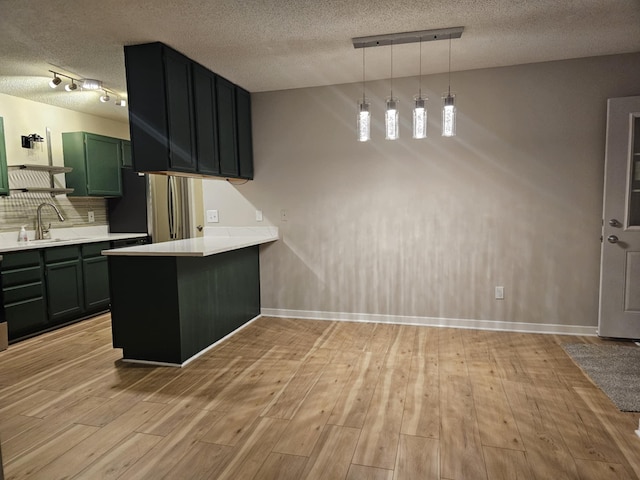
297,399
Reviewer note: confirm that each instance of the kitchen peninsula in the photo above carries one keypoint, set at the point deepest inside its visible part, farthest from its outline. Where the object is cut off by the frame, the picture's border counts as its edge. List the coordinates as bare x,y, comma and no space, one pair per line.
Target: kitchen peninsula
170,301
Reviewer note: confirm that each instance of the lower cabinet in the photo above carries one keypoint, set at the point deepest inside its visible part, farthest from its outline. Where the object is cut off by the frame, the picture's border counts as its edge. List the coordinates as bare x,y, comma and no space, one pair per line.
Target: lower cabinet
24,293
63,271
95,277
49,287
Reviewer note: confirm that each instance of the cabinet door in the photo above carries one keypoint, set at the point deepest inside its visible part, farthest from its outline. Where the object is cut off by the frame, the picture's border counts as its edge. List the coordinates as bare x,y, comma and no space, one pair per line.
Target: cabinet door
64,290
95,273
127,159
225,92
4,181
103,158
24,293
204,98
179,111
245,142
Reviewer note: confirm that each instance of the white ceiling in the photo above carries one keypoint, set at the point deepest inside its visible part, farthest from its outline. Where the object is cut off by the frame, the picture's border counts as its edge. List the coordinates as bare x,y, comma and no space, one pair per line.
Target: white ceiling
281,44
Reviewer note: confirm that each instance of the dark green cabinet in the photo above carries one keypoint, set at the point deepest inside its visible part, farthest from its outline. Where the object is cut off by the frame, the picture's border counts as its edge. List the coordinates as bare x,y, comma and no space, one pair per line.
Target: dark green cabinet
4,179
227,128
160,108
183,118
63,270
167,309
125,147
205,107
243,126
23,289
96,162
95,277
45,288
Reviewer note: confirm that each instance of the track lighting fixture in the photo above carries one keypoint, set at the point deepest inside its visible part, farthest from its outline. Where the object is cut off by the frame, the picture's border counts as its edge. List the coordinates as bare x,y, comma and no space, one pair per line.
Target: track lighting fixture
419,102
86,84
55,81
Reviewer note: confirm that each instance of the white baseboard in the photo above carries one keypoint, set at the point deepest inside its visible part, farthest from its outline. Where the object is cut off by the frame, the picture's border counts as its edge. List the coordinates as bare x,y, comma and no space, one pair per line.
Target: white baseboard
434,322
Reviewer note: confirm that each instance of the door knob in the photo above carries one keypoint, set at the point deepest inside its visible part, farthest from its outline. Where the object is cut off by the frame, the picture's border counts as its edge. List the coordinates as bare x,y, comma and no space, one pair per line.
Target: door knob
612,239
614,223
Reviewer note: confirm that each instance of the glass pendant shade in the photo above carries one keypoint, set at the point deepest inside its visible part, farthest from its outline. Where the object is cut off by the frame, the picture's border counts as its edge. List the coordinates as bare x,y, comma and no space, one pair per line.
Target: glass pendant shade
391,119
91,84
419,118
364,121
448,115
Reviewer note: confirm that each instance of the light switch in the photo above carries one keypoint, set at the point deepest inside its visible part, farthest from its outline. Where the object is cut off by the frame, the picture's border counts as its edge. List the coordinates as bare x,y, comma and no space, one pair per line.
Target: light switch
284,215
258,215
91,217
499,293
212,216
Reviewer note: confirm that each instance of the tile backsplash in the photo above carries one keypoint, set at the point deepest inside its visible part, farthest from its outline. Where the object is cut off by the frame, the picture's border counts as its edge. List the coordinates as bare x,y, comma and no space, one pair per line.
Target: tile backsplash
19,208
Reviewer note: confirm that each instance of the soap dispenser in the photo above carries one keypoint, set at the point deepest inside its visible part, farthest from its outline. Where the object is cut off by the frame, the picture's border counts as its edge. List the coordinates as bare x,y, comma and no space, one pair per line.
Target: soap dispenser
22,235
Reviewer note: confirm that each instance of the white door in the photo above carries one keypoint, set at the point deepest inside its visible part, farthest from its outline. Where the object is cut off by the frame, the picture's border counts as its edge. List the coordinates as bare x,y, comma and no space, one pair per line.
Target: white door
619,314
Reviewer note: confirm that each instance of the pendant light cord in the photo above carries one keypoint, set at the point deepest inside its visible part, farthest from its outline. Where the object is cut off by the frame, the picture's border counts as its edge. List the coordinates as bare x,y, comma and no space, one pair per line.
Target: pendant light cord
420,79
363,65
391,70
449,65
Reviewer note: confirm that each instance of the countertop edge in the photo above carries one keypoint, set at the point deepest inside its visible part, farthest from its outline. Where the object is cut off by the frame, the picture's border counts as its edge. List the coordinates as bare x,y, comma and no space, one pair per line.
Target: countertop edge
194,247
37,244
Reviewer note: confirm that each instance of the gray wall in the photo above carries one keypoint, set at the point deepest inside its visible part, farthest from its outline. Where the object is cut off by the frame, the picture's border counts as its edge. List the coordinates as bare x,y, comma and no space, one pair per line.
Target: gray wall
428,228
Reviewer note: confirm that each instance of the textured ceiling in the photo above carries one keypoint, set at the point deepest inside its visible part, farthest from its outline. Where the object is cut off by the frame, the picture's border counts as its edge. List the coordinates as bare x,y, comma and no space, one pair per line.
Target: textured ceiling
281,44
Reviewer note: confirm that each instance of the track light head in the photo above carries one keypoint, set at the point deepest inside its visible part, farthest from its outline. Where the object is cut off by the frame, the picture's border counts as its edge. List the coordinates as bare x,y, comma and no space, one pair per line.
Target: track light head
55,81
70,87
105,98
121,102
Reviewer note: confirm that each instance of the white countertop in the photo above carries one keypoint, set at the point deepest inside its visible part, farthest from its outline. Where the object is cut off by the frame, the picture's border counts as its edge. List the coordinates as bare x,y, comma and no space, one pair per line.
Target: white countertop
216,240
61,237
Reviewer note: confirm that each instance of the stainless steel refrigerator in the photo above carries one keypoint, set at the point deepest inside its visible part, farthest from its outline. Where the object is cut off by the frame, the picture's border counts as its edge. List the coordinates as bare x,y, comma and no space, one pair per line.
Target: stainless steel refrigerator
159,205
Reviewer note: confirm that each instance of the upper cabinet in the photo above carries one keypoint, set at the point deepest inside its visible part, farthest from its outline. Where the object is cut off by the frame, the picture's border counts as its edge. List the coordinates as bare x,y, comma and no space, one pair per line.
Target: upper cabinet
4,179
127,162
183,118
96,161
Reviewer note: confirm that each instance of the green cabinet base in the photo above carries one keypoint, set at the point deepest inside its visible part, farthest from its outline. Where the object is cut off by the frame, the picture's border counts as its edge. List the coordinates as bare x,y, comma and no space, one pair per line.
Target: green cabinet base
168,309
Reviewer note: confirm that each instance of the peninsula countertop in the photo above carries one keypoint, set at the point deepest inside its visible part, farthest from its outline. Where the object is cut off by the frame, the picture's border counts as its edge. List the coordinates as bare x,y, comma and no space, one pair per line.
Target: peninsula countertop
216,240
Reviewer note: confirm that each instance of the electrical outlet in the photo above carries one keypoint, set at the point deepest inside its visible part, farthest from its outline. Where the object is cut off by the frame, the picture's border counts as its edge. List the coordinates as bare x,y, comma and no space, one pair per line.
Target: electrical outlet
212,216
91,217
499,293
258,215
284,215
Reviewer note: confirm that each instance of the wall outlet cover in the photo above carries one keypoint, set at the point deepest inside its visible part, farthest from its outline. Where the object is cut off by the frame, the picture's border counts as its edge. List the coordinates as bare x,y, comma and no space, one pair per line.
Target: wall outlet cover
91,217
212,216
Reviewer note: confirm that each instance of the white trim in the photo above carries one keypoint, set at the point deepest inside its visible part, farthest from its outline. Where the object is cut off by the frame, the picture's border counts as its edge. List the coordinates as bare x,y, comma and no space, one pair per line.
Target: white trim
191,359
434,322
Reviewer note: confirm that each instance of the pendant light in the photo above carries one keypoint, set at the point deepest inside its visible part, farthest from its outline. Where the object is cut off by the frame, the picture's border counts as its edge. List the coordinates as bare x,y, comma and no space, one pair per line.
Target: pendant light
364,114
420,108
391,113
449,107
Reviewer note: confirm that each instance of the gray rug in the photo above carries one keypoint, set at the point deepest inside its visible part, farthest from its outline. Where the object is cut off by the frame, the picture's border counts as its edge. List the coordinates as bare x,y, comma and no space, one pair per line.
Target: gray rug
615,369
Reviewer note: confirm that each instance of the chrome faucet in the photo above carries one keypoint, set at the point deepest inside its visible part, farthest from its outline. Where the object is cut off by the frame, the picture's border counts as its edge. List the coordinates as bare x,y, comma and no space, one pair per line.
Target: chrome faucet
42,232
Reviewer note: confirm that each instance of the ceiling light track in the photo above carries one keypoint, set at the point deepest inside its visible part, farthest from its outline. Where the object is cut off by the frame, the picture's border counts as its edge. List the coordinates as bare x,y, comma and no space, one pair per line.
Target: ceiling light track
86,84
407,37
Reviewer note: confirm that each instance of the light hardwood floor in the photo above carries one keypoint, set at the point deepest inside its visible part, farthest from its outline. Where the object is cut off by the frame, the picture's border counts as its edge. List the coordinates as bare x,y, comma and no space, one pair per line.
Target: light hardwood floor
293,399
